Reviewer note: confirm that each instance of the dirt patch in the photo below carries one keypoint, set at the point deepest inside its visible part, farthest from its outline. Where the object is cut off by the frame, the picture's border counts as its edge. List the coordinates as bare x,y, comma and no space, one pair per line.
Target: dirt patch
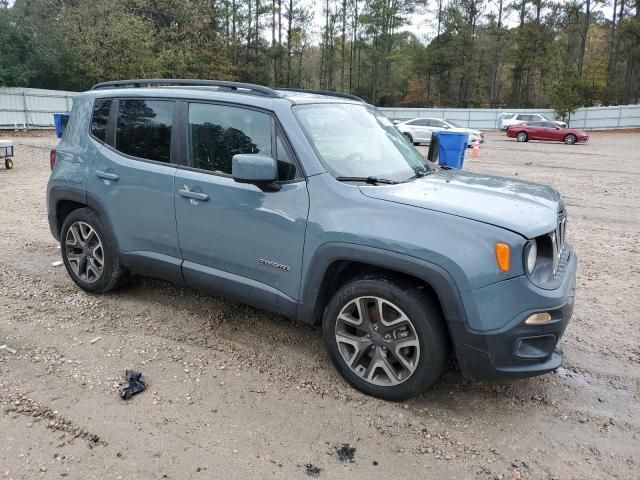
236,393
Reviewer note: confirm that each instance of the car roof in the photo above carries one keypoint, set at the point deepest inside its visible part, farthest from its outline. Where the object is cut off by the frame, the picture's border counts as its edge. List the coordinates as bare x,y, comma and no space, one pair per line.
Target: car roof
236,92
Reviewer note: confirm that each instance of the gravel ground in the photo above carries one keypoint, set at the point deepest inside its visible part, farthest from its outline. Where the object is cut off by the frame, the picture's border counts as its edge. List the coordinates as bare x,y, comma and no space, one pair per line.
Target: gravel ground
238,393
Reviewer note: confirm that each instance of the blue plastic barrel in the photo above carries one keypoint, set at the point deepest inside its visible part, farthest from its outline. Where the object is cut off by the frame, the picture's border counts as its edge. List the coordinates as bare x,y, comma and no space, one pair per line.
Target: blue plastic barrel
451,148
60,121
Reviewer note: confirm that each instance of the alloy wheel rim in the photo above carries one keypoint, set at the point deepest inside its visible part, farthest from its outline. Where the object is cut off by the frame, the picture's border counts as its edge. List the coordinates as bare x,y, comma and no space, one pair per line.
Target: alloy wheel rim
521,137
377,341
84,251
571,139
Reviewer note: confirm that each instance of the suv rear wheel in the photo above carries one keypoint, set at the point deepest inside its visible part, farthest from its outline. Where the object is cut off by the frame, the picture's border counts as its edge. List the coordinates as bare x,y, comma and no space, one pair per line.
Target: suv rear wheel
89,254
385,339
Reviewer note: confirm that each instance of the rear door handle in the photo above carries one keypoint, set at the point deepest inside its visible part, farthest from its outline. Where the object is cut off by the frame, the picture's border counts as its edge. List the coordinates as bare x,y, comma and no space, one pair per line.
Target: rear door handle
107,175
203,197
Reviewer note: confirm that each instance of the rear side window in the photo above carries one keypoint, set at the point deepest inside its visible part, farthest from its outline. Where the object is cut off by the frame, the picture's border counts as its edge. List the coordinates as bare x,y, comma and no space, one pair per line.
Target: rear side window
100,118
144,129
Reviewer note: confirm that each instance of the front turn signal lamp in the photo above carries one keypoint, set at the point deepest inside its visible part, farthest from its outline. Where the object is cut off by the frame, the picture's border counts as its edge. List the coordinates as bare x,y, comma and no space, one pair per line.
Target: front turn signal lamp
503,256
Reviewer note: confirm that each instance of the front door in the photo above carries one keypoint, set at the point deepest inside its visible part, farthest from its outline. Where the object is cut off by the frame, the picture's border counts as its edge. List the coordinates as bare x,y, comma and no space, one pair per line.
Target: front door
234,234
552,132
422,129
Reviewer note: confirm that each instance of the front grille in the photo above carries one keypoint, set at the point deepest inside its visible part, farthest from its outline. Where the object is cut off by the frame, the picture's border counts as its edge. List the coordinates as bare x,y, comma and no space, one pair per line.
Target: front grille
558,238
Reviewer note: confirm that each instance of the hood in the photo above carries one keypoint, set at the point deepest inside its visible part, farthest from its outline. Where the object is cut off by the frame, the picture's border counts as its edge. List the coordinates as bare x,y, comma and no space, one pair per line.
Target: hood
526,208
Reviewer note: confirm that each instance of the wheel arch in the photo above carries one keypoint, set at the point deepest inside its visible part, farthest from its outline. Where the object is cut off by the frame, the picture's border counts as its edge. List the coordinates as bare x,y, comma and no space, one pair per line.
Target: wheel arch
63,200
334,264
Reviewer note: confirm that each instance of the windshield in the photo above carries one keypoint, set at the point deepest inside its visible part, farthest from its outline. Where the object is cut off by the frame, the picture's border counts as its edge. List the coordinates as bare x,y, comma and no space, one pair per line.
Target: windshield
358,141
455,124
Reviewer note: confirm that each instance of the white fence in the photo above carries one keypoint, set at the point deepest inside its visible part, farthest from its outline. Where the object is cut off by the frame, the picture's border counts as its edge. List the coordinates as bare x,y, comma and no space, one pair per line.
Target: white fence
24,108
592,118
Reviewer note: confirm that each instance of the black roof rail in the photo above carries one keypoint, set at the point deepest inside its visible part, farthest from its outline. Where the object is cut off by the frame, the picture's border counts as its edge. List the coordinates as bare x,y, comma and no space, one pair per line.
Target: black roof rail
326,93
142,82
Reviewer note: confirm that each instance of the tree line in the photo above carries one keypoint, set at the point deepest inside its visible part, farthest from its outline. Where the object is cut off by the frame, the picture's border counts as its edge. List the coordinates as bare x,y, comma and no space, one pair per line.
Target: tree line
481,53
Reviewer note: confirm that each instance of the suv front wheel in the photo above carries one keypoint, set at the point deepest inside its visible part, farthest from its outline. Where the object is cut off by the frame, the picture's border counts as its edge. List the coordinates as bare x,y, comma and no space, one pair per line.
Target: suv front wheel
385,339
89,254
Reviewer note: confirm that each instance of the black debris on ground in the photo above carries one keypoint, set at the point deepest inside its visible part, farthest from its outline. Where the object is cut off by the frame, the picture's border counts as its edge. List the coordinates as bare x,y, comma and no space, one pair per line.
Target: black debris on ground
311,470
346,453
136,384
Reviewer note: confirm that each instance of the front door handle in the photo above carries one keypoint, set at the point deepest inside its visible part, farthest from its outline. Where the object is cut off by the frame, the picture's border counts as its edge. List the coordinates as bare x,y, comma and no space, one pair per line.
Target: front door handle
203,197
106,175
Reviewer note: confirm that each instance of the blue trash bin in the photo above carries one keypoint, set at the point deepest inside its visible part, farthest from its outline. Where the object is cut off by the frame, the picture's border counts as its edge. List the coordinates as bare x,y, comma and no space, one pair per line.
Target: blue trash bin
451,148
60,121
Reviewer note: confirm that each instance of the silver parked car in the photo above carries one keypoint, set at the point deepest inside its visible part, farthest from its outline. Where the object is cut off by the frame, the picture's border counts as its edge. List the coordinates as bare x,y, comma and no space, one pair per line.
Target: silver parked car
506,120
419,130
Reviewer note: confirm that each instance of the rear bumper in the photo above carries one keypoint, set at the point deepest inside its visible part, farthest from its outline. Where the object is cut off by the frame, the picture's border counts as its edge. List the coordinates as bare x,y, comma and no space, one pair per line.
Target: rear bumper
518,349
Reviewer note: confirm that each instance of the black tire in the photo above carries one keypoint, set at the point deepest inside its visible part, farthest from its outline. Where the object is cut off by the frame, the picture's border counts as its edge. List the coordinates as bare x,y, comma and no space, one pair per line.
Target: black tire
427,320
570,139
522,137
409,137
8,164
113,274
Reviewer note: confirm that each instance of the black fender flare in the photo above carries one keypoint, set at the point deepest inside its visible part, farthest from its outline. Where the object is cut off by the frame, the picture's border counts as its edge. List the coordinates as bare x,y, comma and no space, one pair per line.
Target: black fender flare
437,277
57,194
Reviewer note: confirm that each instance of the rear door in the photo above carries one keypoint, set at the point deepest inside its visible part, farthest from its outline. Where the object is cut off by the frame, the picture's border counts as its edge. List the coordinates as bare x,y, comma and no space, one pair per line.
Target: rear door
234,235
132,180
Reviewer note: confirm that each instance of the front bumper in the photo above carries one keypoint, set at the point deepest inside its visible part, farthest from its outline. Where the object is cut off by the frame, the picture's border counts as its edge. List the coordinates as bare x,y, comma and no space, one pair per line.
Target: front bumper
517,349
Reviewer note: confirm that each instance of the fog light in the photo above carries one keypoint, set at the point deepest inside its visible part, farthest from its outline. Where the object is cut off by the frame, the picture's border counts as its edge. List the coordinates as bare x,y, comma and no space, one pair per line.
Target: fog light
538,318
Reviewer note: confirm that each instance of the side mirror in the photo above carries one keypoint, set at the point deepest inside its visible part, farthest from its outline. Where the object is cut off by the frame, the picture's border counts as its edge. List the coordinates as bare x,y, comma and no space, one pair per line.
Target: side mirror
258,170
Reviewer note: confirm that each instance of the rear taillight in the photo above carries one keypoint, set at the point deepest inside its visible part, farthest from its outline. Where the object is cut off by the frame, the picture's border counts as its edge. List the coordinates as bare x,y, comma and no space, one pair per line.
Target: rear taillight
52,158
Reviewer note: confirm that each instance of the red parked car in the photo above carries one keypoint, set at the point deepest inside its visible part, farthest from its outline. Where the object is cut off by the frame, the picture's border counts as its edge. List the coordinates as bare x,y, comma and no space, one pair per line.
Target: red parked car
546,131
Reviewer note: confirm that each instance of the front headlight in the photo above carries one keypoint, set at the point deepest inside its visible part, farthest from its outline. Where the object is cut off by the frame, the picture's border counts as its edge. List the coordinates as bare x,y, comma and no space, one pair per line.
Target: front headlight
530,256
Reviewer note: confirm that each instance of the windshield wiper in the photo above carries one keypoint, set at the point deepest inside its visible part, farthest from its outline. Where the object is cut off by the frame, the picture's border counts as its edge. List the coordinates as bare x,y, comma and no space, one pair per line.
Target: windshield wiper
369,180
420,172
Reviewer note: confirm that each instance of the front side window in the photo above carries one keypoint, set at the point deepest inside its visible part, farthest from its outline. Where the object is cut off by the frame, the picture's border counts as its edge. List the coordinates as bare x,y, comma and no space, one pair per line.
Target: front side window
100,118
359,141
144,129
218,132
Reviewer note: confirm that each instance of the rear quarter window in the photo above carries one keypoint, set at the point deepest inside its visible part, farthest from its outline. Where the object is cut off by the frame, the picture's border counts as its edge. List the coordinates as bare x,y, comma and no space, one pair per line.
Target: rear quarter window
100,118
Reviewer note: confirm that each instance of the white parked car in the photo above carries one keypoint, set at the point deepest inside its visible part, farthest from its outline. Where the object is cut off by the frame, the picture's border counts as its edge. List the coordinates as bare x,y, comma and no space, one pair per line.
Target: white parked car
507,119
419,130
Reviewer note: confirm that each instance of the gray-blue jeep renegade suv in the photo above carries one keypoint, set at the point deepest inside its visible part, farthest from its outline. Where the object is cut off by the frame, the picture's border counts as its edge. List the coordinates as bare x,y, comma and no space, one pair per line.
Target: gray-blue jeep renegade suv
312,205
